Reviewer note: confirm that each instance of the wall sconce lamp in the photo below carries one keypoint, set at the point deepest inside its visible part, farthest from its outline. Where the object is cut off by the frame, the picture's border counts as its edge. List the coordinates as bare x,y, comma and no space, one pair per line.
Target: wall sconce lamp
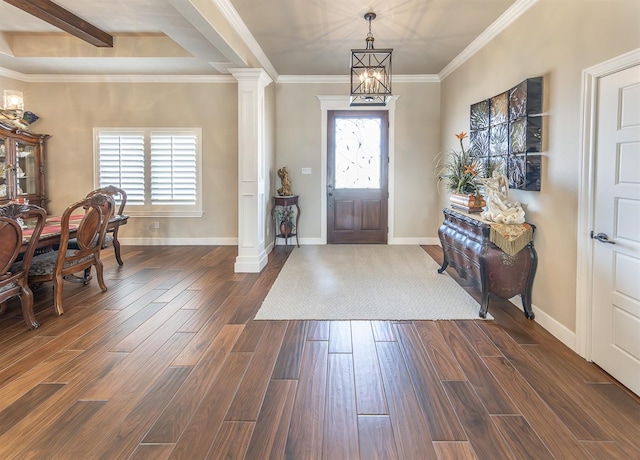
13,109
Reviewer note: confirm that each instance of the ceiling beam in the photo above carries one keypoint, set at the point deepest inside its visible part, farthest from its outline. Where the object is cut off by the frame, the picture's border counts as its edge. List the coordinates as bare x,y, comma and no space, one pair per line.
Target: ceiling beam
65,20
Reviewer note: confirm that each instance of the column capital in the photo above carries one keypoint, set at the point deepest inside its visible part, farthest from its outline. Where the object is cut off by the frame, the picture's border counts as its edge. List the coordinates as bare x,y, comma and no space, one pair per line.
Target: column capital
251,75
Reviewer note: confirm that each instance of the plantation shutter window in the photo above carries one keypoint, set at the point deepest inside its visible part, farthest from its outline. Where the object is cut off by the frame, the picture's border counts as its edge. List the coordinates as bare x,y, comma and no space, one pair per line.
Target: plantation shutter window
173,168
122,164
158,168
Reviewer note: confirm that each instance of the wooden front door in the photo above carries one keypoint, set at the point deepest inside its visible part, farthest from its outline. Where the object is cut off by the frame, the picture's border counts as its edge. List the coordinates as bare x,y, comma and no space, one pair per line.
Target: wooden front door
357,176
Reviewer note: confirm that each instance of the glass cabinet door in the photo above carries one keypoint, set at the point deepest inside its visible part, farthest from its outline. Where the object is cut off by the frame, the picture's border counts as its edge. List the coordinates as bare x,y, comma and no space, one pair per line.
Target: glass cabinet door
3,169
26,173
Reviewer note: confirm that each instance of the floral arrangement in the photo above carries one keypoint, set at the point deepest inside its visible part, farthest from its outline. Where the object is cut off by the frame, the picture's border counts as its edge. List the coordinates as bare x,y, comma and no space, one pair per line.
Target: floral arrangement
461,171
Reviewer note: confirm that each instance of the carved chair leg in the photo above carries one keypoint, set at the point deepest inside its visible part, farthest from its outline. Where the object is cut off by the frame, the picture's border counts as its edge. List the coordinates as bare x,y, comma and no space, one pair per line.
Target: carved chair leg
116,249
58,282
26,301
99,275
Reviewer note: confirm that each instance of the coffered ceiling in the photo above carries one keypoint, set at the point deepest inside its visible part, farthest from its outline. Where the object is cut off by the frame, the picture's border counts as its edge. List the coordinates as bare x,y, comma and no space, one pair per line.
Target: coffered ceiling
206,37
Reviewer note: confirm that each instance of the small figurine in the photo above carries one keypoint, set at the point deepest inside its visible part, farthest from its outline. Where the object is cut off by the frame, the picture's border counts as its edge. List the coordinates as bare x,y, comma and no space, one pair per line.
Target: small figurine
500,208
285,190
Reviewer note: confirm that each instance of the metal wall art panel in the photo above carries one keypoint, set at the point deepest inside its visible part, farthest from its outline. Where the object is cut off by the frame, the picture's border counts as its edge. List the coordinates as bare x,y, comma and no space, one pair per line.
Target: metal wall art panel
507,129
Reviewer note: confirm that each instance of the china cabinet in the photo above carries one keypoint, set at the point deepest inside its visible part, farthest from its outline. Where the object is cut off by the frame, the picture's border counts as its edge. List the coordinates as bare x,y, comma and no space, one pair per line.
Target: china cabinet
22,165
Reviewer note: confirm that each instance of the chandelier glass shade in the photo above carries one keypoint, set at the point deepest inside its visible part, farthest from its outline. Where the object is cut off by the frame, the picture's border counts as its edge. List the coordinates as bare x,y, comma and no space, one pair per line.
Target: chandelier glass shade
370,73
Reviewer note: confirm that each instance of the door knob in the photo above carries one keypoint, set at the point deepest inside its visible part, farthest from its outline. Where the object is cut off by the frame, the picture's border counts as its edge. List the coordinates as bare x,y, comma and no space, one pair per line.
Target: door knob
602,237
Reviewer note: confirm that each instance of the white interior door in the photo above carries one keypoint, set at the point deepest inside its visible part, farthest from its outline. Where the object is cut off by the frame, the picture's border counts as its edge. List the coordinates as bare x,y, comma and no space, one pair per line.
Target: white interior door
616,252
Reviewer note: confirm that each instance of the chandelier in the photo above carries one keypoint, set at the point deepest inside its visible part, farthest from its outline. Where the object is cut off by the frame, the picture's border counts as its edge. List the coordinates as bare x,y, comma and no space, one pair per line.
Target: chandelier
370,73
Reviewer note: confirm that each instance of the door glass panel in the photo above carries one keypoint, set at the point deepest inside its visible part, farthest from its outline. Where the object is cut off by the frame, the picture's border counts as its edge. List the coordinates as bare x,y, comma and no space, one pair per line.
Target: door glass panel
26,173
357,153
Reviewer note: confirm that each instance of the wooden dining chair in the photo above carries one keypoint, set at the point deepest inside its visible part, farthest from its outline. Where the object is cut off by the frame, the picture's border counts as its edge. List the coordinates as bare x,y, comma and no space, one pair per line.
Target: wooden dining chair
16,256
56,265
111,238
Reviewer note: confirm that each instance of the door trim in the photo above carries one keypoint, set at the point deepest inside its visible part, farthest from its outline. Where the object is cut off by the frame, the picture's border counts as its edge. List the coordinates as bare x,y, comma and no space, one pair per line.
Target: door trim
342,103
586,190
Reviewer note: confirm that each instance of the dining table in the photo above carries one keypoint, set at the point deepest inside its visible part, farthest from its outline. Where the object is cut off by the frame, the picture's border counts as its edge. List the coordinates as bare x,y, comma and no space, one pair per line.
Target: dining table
52,230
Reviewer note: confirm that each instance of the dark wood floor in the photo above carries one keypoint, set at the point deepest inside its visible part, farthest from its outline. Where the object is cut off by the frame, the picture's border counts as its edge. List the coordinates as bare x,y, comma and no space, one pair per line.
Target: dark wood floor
168,363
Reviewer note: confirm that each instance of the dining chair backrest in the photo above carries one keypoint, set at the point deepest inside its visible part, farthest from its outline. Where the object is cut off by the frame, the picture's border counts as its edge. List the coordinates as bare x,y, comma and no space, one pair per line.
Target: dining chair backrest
119,218
98,208
118,194
89,237
15,256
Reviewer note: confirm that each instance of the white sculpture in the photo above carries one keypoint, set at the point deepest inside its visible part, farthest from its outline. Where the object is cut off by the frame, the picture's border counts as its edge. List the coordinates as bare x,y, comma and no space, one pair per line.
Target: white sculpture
500,208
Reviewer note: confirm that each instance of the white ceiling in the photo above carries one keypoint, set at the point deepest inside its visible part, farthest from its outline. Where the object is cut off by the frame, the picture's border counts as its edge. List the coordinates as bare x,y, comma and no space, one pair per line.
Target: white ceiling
287,37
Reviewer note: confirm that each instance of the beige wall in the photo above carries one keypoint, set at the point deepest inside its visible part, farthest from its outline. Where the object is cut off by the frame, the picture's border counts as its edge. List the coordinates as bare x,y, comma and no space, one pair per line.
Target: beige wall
556,39
298,145
70,111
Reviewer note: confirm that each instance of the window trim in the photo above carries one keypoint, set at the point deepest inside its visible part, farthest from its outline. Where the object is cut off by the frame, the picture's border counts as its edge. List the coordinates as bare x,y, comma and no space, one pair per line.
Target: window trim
150,210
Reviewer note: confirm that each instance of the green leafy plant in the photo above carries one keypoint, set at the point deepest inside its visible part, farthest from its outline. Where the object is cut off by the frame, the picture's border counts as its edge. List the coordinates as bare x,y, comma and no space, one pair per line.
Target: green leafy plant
283,214
461,170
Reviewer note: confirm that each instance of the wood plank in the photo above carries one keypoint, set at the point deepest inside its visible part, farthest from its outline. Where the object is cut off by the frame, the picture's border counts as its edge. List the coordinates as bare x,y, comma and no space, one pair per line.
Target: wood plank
152,452
450,450
382,331
591,402
483,435
318,330
17,371
340,439
16,411
120,325
444,363
169,312
477,338
270,433
413,440
290,356
89,440
173,420
557,395
547,425
232,441
133,427
340,337
375,436
62,430
251,335
438,413
305,433
151,353
19,386
370,397
192,354
201,430
520,437
484,383
252,388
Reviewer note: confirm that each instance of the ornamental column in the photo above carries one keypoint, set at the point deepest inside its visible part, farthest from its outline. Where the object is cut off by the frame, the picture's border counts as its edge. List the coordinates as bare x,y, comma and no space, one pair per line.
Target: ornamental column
252,256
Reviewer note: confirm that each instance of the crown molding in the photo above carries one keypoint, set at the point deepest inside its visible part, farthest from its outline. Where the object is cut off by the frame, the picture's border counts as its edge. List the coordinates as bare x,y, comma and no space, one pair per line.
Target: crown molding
55,78
505,20
344,79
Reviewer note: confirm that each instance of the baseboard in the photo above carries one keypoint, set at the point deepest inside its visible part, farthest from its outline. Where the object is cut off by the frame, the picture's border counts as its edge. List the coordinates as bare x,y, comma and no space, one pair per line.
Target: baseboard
418,241
558,330
178,241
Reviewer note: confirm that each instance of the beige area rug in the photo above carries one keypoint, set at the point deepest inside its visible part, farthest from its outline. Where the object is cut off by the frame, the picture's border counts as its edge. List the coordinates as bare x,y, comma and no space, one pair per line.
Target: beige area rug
365,282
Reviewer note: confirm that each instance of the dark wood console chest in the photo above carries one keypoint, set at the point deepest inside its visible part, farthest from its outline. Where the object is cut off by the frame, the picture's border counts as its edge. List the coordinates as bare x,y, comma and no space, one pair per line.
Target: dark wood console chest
467,248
